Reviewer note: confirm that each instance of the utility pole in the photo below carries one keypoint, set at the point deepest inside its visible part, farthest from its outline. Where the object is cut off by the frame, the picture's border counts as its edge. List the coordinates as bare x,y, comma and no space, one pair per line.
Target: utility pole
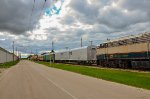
36,52
51,54
147,49
91,42
20,55
13,51
16,51
81,41
31,51
6,56
52,45
108,40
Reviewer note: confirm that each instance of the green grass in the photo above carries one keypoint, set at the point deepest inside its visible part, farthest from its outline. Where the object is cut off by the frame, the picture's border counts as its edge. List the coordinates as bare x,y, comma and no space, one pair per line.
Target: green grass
137,79
24,58
8,64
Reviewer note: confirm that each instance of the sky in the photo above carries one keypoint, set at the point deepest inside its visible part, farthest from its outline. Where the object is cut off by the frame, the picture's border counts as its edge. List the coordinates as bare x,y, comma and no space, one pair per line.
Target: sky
33,30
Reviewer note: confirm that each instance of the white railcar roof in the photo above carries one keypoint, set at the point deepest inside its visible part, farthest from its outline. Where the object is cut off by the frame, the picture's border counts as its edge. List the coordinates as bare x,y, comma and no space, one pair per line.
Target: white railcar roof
127,37
84,47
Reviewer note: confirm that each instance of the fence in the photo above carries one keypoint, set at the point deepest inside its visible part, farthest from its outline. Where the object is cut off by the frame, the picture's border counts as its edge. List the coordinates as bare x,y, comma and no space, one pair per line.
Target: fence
6,56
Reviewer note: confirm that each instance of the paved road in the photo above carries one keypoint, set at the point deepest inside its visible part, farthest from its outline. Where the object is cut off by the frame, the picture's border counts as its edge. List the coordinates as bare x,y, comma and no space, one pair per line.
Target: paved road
28,80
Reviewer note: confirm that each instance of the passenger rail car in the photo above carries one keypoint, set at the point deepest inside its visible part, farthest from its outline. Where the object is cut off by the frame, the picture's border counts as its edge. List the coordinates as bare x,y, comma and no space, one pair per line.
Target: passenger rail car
130,52
84,55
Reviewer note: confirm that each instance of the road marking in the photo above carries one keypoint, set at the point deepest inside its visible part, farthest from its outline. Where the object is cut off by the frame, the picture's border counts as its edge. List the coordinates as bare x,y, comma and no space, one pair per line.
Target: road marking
64,90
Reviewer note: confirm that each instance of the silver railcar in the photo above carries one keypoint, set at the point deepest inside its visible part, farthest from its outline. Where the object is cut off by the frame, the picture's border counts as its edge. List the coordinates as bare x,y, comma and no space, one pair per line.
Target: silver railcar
85,55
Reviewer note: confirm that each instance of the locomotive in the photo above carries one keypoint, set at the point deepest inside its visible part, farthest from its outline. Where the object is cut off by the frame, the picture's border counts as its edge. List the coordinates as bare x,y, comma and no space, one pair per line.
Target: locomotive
126,52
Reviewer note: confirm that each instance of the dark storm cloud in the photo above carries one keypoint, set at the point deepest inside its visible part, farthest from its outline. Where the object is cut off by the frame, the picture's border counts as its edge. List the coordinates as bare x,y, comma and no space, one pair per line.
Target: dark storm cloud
15,15
142,5
103,12
116,18
83,11
137,5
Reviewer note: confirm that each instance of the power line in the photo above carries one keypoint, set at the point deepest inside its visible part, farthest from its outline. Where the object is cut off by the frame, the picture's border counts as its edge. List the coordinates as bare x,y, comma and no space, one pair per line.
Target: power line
30,20
42,8
31,15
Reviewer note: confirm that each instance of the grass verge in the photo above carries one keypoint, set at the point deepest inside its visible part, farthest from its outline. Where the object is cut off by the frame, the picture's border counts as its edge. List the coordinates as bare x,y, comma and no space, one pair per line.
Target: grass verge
8,64
137,79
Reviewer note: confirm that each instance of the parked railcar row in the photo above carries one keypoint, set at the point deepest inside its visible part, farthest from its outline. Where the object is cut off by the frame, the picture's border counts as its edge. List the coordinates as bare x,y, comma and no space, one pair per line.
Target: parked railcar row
84,55
127,52
44,57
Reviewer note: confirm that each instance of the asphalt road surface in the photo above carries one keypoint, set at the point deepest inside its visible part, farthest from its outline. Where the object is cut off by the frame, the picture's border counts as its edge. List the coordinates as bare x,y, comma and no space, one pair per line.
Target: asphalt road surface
28,80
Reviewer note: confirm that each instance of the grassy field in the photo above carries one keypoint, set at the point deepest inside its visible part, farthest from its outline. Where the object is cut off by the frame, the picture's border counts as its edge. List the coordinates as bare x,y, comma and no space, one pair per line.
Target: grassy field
137,79
8,64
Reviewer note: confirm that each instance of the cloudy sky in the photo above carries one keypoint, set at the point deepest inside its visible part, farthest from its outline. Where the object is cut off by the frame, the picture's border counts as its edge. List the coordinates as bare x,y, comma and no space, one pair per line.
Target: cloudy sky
93,20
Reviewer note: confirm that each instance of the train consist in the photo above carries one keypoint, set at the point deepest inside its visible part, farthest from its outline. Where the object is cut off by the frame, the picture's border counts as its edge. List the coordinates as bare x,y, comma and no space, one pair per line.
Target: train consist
127,52
84,55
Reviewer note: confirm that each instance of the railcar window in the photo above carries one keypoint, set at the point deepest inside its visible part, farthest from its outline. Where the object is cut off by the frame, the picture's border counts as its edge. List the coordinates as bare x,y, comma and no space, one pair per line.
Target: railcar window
93,48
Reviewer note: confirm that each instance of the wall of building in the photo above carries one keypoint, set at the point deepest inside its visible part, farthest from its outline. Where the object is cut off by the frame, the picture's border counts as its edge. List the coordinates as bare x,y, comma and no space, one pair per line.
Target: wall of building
6,56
